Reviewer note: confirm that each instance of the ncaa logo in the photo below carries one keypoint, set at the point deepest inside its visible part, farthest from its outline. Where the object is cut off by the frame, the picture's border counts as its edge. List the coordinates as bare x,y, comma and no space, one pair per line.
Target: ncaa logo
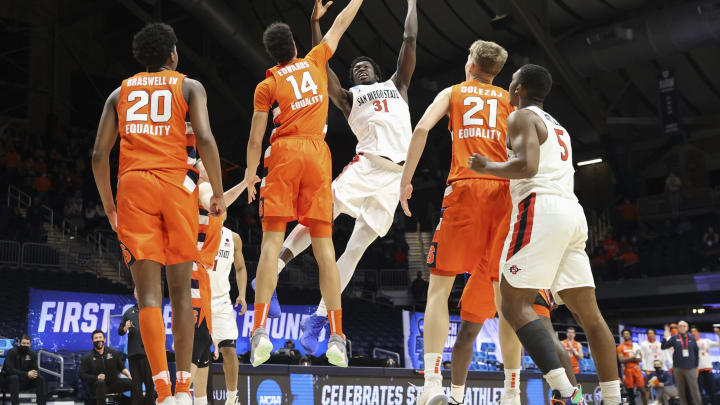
269,393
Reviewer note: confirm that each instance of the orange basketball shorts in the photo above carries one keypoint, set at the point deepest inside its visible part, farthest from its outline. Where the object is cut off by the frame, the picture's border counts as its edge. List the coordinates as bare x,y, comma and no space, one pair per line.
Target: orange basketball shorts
478,298
297,185
633,377
157,220
474,220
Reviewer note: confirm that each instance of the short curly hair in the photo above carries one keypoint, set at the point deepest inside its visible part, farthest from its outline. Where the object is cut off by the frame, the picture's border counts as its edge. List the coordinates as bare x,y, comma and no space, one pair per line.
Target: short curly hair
279,43
536,80
153,44
368,59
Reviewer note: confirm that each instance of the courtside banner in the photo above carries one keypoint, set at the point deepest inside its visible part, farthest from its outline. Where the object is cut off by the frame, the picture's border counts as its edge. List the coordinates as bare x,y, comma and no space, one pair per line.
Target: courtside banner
297,385
414,325
61,320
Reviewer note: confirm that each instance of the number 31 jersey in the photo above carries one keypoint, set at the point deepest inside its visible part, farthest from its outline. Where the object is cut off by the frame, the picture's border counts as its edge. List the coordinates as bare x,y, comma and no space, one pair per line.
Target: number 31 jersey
555,175
478,124
380,119
151,120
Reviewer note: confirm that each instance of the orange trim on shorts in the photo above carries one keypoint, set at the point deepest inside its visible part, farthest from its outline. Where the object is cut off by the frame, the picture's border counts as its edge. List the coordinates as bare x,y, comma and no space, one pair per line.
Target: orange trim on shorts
443,273
471,317
319,229
274,224
541,311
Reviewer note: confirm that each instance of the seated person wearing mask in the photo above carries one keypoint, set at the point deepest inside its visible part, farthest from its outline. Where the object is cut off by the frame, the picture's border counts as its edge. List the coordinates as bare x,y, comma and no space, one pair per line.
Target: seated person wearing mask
100,367
22,373
663,383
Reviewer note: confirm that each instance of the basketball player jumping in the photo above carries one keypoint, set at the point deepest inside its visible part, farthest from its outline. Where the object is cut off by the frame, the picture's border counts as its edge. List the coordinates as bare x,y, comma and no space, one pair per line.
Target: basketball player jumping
299,171
545,248
368,187
465,240
157,202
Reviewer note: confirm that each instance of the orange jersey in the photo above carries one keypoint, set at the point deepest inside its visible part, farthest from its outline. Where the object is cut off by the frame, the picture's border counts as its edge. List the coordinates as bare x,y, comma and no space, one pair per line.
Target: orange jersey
628,349
573,359
151,120
478,124
201,294
208,238
297,95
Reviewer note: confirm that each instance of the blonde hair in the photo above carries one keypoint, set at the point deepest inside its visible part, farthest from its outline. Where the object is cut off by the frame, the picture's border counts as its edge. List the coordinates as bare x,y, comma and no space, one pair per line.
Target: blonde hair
488,56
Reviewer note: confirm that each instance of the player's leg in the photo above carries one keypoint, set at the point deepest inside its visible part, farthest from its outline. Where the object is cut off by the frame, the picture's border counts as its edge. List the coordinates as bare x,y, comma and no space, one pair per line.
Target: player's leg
148,282
266,277
330,288
583,303
230,368
437,323
511,350
462,355
360,239
641,385
183,325
199,383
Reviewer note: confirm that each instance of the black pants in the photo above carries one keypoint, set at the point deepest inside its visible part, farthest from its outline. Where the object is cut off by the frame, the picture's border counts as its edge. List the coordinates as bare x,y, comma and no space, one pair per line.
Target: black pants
706,382
17,383
140,372
102,388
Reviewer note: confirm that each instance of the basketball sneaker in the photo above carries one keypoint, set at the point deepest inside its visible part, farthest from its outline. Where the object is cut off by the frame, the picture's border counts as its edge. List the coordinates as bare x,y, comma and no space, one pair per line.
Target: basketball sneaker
260,347
575,399
510,397
183,398
310,330
274,311
169,401
337,351
232,400
433,392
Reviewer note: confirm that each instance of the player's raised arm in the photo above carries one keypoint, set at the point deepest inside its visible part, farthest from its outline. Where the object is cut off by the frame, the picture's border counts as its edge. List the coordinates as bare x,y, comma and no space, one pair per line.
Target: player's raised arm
107,134
340,97
407,56
341,24
438,109
207,148
525,137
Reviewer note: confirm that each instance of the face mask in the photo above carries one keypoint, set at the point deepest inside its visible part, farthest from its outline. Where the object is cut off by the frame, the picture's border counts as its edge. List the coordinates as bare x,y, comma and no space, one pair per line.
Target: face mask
658,369
24,350
98,344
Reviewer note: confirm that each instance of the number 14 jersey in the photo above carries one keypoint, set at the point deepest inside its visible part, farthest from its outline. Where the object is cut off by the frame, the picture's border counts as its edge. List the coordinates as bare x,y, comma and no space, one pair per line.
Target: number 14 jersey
478,124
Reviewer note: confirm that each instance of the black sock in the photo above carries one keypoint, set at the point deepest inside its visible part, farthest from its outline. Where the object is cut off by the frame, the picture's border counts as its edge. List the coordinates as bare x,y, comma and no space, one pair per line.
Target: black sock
539,344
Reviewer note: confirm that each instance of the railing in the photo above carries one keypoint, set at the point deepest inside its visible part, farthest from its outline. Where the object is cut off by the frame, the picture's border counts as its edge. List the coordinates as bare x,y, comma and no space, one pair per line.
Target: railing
387,353
9,252
687,200
394,279
22,198
42,254
68,229
54,356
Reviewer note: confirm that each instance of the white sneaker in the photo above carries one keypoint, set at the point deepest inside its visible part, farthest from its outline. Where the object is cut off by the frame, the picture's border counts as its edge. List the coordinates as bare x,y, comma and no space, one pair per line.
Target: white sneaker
510,397
234,400
168,401
260,347
433,392
337,351
183,398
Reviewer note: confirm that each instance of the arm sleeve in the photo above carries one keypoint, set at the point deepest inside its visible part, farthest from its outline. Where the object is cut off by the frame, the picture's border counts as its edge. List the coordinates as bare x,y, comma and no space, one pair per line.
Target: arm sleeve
320,54
264,94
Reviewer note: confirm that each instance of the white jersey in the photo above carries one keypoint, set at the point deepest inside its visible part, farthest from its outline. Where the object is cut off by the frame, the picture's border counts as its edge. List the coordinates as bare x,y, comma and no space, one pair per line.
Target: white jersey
220,272
380,119
555,169
651,352
704,345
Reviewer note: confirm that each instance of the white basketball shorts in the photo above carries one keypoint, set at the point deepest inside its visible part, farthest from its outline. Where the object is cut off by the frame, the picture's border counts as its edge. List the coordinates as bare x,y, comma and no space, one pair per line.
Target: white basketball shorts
224,321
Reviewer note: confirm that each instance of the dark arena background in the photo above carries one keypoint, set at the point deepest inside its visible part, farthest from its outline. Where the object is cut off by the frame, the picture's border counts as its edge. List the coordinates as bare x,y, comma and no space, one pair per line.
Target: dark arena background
635,82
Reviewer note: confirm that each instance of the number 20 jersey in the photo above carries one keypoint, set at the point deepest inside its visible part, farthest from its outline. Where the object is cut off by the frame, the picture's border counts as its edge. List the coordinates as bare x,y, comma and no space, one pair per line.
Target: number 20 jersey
555,175
478,124
380,119
151,120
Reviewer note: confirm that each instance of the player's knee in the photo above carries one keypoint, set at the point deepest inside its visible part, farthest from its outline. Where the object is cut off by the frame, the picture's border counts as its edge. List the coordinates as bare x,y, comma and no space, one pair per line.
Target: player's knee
467,334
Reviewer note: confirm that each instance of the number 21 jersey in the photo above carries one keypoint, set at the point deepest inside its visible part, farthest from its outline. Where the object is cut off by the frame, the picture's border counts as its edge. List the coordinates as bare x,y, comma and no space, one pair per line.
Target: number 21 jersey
151,120
478,124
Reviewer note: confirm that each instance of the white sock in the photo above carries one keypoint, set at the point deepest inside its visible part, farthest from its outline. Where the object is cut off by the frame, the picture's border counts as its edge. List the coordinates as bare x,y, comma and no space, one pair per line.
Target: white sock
557,379
432,365
360,239
200,401
512,379
457,392
610,392
232,394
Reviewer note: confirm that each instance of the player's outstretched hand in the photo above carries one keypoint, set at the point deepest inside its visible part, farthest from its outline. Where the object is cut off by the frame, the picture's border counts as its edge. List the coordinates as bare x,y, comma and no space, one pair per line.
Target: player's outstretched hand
250,181
217,206
112,217
240,302
478,162
319,10
405,194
